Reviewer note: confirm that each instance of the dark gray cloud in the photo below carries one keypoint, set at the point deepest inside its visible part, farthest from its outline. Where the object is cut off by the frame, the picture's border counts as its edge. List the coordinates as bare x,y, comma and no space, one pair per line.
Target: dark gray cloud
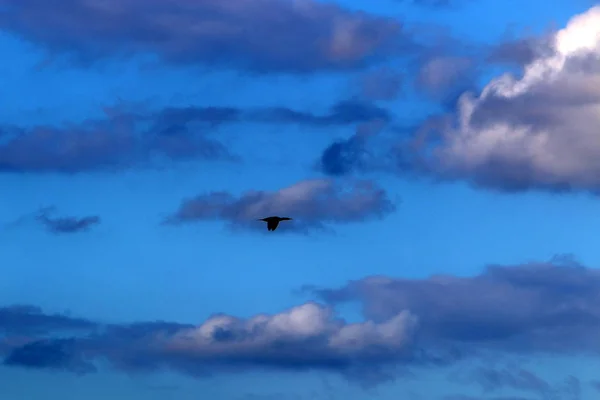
50,354
125,139
260,35
520,51
120,140
538,307
345,156
311,203
31,320
66,224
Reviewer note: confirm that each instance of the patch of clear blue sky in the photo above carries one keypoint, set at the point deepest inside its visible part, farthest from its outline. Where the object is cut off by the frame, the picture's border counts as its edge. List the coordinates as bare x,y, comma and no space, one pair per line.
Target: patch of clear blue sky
132,269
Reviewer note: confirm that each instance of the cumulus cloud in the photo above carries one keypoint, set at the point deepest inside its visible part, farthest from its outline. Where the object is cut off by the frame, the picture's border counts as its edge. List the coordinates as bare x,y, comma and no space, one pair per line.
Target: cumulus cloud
535,131
260,35
538,307
311,203
551,308
305,337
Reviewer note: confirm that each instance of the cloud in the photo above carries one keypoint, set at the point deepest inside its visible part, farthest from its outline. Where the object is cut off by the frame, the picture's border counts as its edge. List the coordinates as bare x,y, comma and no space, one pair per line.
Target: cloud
31,320
311,203
519,379
443,78
49,354
551,307
492,379
536,131
67,224
381,84
305,337
343,157
346,112
260,35
521,51
126,139
343,112
120,140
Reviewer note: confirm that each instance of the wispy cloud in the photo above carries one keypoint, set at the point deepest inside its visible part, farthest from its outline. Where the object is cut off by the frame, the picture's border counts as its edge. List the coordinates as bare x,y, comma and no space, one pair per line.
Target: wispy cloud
65,224
141,138
31,320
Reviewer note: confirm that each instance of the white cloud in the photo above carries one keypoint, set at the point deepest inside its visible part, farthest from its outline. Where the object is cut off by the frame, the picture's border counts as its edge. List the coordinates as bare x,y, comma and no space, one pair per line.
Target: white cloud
539,130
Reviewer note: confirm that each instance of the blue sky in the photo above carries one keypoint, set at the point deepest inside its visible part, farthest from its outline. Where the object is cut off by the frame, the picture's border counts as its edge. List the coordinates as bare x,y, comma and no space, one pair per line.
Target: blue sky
439,160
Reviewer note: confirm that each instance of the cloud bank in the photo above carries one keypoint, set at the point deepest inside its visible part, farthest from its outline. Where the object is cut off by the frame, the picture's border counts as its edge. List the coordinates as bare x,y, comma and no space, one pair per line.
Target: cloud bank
548,308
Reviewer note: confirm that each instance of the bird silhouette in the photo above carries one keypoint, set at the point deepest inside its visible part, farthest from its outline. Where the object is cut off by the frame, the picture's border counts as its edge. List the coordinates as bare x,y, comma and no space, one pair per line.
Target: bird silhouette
273,222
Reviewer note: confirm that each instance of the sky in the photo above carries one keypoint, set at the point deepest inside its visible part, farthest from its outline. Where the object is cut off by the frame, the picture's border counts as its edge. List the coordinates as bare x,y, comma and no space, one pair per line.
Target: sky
440,160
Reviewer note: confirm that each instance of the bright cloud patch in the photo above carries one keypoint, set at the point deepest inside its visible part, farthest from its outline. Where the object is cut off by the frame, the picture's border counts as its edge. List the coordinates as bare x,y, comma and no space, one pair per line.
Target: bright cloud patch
539,130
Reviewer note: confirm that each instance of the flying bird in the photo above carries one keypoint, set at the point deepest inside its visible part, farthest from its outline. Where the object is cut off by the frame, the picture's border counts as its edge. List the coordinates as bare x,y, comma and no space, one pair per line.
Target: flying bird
273,222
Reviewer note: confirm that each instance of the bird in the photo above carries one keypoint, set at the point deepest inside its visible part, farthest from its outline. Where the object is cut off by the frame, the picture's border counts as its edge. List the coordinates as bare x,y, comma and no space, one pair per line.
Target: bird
273,222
